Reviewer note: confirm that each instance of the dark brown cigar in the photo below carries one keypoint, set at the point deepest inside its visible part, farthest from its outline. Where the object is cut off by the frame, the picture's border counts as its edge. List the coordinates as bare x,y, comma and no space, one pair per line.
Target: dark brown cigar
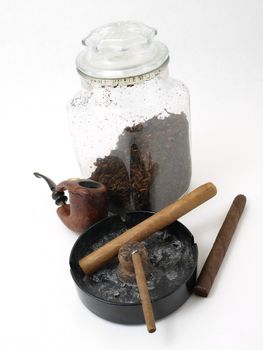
215,258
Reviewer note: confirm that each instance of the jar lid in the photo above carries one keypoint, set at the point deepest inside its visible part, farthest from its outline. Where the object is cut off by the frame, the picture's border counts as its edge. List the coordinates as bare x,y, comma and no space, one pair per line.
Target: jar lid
121,50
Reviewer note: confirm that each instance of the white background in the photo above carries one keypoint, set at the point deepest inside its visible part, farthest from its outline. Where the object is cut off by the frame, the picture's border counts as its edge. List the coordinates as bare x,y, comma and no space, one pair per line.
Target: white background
216,48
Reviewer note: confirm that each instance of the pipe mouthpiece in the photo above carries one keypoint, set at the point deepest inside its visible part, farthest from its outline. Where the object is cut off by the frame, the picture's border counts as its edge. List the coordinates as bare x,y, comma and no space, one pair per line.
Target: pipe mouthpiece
58,196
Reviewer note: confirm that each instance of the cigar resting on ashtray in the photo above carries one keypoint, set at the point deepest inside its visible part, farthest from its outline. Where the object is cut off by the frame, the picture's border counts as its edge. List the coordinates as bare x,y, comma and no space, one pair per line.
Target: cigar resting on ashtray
156,222
215,258
144,292
134,264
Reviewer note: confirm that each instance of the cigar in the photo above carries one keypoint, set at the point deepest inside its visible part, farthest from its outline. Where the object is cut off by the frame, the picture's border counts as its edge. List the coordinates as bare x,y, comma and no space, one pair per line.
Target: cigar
144,292
156,222
215,258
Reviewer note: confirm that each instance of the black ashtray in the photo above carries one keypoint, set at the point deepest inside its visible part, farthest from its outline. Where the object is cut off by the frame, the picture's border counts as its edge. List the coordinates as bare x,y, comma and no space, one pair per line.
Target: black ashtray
173,254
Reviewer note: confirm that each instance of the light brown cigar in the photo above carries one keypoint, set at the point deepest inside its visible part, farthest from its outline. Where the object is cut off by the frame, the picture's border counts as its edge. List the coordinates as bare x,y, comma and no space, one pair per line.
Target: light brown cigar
156,222
144,293
220,246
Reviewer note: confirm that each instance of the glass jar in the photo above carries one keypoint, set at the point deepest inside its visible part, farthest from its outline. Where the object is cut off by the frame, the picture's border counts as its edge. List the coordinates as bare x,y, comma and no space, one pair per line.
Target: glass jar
130,121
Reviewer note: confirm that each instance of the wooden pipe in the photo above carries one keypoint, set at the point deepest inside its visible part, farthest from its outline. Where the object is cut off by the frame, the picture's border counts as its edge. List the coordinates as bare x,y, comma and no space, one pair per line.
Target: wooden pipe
88,202
158,221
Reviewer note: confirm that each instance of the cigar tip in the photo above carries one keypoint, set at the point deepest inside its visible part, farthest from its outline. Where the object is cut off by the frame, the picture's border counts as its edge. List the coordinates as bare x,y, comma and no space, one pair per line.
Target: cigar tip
239,202
212,187
241,197
200,291
84,267
152,330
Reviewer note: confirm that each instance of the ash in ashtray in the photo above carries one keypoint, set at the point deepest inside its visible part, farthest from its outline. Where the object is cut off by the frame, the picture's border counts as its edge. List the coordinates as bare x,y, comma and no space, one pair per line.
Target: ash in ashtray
172,259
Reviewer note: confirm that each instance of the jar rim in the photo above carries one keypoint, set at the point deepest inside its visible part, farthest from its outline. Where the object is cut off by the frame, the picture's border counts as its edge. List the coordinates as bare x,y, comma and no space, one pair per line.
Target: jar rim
125,81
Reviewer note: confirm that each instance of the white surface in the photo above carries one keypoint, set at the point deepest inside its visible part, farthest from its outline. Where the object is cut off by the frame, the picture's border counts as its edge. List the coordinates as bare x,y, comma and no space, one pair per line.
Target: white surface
217,50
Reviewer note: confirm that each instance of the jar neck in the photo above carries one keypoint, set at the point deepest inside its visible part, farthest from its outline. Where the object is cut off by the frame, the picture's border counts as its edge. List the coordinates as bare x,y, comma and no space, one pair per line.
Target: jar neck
151,78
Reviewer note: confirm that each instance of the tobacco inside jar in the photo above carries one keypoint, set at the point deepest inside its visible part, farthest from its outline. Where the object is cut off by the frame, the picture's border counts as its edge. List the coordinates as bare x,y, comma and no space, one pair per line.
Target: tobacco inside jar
130,121
150,166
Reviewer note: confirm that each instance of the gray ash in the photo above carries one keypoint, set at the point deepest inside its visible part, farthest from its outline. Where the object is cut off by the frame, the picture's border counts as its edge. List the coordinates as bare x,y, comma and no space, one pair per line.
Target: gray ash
172,260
